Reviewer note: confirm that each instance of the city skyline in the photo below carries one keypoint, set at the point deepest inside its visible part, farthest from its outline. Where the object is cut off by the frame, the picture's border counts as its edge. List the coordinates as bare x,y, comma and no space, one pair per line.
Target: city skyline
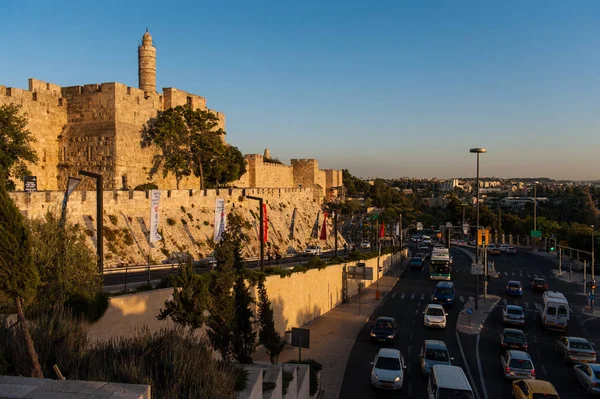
387,91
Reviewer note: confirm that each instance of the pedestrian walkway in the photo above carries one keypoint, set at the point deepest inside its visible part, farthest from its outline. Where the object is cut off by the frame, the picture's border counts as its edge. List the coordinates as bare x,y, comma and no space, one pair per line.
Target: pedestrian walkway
473,323
333,334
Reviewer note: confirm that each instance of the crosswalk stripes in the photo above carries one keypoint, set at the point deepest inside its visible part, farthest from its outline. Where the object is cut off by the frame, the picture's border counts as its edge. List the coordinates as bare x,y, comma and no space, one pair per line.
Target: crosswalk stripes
412,296
422,297
402,296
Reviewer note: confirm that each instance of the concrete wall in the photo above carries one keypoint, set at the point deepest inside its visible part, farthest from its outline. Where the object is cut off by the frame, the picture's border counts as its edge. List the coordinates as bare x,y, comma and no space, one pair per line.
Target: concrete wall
296,300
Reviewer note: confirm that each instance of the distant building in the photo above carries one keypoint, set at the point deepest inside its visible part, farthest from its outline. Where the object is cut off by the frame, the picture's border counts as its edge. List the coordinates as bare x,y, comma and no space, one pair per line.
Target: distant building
519,202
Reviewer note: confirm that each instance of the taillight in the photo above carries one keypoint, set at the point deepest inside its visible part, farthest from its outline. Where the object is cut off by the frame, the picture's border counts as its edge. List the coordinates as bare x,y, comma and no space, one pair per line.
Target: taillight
596,384
532,372
525,347
508,369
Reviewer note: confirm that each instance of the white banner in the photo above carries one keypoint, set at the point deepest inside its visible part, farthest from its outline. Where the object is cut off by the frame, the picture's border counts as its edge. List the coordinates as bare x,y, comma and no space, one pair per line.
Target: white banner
397,229
220,219
154,202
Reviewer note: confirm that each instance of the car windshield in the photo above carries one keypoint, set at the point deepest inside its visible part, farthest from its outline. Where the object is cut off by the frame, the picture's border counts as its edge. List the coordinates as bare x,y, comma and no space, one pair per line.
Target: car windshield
581,345
544,396
384,325
511,248
439,355
435,312
514,311
416,259
444,291
517,285
523,364
539,281
450,393
597,374
388,363
514,336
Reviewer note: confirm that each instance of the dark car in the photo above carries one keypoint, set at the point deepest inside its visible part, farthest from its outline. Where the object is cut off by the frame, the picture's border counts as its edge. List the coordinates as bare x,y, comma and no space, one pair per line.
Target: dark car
511,338
539,284
514,288
384,330
417,261
443,293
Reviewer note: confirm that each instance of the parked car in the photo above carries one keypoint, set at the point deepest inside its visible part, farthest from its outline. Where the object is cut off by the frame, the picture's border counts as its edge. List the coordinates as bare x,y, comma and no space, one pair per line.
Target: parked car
517,365
533,389
365,244
576,350
512,314
539,284
177,258
503,247
433,352
313,250
384,330
588,376
388,369
208,261
511,251
511,338
493,250
417,261
443,293
434,316
514,288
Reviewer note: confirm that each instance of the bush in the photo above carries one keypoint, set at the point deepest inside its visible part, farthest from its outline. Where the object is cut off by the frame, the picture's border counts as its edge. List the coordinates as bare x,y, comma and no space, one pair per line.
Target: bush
316,263
315,368
183,222
336,260
146,187
113,219
127,239
92,309
287,377
171,222
189,215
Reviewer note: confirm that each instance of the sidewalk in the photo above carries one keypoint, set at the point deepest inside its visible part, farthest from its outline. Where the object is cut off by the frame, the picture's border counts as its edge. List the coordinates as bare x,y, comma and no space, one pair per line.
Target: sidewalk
333,334
472,324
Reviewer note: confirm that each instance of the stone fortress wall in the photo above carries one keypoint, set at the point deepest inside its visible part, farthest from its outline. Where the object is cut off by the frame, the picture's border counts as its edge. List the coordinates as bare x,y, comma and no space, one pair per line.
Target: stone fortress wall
186,220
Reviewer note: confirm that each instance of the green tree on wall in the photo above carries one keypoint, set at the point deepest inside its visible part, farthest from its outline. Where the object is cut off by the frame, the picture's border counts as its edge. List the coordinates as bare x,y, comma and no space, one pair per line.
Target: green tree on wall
189,142
267,335
15,145
19,278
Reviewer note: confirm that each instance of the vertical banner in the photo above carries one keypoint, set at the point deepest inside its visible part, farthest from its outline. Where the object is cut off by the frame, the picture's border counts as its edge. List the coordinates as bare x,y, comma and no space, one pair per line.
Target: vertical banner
265,225
154,203
315,230
382,230
220,219
292,224
397,233
324,228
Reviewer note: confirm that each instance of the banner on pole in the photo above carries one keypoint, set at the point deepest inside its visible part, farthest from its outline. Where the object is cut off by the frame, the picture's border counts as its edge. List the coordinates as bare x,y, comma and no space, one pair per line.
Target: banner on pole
220,219
292,224
154,203
315,231
324,228
265,225
397,229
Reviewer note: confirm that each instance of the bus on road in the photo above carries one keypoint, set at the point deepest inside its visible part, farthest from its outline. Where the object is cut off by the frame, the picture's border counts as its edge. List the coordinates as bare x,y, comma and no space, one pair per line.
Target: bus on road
440,265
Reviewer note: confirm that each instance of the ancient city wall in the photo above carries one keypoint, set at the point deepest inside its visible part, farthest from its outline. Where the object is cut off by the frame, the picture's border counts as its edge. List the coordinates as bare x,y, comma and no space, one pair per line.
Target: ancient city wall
47,114
266,174
296,300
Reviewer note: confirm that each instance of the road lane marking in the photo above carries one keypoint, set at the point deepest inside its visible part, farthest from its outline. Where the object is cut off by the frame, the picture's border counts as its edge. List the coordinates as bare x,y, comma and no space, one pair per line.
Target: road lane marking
409,350
462,354
526,305
462,299
504,302
538,307
412,296
528,275
506,273
471,298
422,297
543,369
402,296
512,273
410,336
409,390
483,387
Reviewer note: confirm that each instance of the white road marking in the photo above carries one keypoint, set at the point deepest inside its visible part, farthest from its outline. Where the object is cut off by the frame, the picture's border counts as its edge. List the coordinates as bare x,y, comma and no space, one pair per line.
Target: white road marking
462,354
534,339
526,305
410,335
462,299
431,298
535,275
520,274
409,350
412,296
528,275
402,296
506,273
512,273
471,298
543,369
483,387
504,300
409,388
538,307
423,295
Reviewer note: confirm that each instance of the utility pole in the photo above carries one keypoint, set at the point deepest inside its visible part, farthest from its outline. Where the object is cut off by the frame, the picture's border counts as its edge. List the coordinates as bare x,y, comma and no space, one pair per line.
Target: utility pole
335,216
535,214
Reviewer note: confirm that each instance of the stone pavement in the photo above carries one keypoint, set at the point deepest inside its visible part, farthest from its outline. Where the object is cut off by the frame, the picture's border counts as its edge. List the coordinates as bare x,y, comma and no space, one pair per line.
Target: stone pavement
333,334
472,324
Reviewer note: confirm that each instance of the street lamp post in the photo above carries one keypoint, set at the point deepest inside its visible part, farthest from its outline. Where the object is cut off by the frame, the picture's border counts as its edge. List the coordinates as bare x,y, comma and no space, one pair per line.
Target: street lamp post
99,217
478,151
593,275
261,231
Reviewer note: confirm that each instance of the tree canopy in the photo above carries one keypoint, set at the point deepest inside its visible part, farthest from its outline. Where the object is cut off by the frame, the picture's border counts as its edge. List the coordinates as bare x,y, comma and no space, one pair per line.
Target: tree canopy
15,145
189,142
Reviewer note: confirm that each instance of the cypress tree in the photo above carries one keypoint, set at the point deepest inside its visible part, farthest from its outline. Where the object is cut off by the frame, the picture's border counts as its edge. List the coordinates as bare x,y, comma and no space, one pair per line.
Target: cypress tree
267,335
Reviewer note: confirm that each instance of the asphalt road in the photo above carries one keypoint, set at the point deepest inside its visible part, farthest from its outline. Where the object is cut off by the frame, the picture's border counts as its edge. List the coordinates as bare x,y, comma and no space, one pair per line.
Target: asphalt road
412,293
549,365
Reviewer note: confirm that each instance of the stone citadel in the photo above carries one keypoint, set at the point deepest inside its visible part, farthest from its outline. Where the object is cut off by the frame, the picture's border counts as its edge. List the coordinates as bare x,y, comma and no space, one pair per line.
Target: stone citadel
96,127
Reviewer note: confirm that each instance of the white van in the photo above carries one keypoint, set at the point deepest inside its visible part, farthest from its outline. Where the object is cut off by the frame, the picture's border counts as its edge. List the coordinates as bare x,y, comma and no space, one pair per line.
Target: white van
449,382
555,311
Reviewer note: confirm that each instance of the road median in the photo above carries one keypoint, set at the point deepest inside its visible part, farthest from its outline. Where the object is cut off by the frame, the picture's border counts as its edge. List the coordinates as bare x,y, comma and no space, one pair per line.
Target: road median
470,320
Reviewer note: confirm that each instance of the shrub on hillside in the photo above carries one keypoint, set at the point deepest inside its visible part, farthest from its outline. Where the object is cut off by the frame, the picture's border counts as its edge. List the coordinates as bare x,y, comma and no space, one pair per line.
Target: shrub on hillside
146,187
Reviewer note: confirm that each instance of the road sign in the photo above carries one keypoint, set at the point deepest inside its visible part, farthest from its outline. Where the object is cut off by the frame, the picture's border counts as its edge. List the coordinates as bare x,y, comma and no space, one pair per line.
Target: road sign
360,272
477,269
592,297
419,226
536,233
448,224
469,311
483,237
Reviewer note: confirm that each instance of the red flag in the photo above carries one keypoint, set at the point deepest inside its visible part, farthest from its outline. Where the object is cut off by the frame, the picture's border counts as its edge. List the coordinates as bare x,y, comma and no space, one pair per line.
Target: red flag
324,228
265,225
382,230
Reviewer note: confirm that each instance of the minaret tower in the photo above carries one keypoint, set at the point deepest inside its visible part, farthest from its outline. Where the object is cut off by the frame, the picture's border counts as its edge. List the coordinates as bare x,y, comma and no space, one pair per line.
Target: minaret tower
147,64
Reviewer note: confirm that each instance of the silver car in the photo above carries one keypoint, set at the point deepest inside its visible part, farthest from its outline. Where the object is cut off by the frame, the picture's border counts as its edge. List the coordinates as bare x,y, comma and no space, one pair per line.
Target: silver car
517,365
433,352
513,314
589,377
576,350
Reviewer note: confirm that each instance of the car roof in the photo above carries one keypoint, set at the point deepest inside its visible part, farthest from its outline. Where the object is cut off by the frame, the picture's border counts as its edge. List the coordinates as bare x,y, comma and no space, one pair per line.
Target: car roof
594,366
519,355
514,307
389,352
385,318
435,305
445,284
540,386
513,330
436,344
577,339
514,282
539,278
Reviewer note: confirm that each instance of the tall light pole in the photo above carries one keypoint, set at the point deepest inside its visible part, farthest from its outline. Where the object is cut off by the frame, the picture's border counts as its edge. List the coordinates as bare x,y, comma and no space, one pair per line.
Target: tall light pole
593,275
535,214
477,151
261,231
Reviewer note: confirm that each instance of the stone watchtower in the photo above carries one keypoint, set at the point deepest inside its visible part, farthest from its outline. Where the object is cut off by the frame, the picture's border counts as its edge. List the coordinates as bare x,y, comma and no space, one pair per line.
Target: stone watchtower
147,64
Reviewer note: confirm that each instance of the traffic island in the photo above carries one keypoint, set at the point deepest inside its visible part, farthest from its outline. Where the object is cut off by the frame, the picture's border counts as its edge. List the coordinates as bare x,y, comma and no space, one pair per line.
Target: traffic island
470,320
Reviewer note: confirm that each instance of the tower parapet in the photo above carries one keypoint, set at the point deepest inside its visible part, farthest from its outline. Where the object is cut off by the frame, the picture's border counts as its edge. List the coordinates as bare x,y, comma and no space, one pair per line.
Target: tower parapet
147,64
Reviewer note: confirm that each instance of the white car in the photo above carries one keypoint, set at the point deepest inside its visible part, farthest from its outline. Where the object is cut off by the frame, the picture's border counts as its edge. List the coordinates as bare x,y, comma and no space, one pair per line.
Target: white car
365,244
434,316
313,250
503,247
513,314
388,369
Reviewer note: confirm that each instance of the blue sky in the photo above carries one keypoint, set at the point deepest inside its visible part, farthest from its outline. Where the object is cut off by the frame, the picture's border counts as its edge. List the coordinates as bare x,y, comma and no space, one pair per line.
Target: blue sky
391,89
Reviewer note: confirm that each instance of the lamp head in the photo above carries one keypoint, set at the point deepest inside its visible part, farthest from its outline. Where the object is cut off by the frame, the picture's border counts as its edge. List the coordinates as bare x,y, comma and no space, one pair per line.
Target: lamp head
478,150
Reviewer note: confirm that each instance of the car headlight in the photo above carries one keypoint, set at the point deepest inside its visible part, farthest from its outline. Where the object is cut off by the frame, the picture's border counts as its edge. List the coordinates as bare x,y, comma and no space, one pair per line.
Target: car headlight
397,379
373,335
374,374
390,337
435,298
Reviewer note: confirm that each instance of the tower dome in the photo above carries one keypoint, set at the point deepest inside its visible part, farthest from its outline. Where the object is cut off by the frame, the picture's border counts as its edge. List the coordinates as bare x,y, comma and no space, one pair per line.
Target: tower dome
147,64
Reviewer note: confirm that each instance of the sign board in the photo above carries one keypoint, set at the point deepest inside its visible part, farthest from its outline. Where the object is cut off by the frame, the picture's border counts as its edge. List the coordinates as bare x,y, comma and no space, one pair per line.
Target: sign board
301,337
30,183
477,269
469,310
483,237
360,272
448,224
536,233
465,228
592,296
419,226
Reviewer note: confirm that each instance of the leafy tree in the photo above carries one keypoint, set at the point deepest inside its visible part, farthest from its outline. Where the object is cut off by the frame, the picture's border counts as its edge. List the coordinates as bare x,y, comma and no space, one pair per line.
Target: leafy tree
190,299
190,143
19,278
244,336
66,265
15,145
267,335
